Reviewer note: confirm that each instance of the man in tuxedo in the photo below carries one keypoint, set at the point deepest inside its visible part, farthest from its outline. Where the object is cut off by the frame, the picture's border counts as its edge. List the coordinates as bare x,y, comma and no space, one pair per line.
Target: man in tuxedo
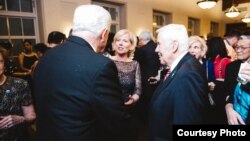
241,66
150,64
77,90
182,97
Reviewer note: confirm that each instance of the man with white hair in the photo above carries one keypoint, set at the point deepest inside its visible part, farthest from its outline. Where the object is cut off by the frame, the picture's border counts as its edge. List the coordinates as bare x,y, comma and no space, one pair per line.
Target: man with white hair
182,97
77,91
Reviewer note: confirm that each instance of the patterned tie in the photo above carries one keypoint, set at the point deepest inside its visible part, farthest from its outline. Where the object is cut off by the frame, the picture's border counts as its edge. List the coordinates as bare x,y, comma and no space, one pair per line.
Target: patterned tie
167,74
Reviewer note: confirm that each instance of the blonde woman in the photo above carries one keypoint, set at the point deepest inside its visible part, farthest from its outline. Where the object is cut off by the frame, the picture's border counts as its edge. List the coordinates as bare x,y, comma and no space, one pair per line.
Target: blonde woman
129,72
198,48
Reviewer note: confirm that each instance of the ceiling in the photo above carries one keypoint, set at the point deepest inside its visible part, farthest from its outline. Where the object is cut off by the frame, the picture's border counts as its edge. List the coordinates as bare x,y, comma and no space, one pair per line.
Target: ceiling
216,13
228,3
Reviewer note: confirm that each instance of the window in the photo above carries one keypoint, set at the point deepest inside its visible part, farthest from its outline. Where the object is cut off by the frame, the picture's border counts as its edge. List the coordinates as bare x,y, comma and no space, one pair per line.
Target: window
193,26
18,20
214,28
114,10
160,19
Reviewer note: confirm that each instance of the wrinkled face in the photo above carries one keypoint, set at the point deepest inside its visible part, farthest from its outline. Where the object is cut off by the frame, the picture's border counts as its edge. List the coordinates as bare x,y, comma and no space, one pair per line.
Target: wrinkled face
196,50
243,49
164,50
122,44
1,64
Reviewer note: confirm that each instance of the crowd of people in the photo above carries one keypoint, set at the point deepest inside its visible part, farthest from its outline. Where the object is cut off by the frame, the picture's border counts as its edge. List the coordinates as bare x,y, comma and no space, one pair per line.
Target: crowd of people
135,91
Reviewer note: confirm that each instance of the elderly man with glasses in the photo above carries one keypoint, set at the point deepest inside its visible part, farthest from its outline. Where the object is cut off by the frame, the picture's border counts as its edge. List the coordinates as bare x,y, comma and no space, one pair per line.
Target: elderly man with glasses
237,80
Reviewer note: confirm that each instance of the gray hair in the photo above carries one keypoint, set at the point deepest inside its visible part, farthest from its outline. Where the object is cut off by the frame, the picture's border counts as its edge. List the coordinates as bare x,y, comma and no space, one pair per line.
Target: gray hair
146,35
175,32
244,37
91,18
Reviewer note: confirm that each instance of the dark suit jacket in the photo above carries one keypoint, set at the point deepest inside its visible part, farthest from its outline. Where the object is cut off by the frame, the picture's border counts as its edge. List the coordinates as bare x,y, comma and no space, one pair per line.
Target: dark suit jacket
149,64
148,59
78,95
231,75
180,99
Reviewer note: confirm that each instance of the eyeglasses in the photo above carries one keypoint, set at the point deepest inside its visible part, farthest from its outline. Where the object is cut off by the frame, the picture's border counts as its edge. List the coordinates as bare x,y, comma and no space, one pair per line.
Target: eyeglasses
240,48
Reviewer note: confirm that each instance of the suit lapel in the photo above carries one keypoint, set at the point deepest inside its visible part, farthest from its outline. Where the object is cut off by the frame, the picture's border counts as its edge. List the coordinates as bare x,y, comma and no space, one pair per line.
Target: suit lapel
171,76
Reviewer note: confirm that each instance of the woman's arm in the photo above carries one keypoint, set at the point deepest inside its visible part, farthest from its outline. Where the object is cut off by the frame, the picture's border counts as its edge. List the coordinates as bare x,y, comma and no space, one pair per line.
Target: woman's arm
8,121
137,90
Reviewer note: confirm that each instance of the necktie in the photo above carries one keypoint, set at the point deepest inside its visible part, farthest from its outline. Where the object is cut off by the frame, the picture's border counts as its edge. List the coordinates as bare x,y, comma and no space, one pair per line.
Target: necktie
167,74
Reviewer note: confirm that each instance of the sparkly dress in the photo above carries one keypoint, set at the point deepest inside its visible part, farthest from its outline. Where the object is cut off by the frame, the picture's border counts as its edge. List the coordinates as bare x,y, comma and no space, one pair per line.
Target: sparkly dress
130,77
14,94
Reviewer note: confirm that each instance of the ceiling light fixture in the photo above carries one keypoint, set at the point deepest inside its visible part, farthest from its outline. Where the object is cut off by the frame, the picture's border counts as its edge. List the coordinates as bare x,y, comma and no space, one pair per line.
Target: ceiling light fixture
206,4
246,18
232,12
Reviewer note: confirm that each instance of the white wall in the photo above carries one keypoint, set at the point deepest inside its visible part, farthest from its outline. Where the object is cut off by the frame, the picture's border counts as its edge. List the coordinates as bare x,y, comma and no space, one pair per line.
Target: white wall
58,14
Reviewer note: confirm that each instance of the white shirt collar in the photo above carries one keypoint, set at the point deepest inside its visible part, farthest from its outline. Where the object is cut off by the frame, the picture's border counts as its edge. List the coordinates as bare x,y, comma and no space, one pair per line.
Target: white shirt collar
177,60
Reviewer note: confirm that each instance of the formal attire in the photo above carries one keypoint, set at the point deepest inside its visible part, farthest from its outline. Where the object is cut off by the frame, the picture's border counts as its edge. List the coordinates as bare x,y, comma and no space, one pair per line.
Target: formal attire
219,93
28,61
180,99
78,95
14,94
209,69
232,71
130,79
150,64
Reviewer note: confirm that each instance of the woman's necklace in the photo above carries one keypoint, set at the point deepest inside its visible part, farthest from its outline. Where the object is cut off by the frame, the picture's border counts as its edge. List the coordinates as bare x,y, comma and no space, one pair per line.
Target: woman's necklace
3,80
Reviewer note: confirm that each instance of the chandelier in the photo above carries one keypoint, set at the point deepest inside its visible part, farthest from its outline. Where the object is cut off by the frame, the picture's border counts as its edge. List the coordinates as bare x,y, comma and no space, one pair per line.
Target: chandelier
246,18
206,4
232,12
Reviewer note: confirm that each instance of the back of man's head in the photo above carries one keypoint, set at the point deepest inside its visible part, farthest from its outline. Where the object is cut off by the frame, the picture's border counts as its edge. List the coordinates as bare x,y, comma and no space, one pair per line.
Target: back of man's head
92,19
56,37
146,35
175,32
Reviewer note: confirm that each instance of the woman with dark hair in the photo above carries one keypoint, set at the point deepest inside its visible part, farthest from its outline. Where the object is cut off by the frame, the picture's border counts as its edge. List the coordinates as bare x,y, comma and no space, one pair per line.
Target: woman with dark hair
26,59
217,53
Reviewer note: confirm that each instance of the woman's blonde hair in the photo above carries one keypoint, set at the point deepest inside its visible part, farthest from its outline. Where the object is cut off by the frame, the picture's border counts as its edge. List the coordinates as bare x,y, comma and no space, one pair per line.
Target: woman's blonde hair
132,39
195,38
